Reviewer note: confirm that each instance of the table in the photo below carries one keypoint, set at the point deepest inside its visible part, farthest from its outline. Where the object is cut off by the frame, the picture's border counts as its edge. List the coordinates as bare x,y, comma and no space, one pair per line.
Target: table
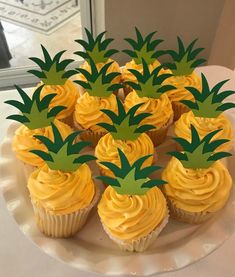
21,258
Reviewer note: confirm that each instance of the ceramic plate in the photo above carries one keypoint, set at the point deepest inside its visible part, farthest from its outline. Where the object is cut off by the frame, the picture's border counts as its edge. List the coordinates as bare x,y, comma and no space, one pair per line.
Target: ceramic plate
91,250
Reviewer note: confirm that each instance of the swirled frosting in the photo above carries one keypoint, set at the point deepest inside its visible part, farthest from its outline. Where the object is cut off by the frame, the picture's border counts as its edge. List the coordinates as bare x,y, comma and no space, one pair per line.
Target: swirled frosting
114,67
131,217
128,76
60,192
67,96
24,141
88,111
160,108
180,82
197,190
204,126
107,150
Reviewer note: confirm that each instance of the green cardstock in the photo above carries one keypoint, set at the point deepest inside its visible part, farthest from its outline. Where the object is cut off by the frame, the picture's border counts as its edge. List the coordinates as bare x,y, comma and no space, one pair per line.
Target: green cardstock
95,48
199,153
185,59
99,81
35,112
125,124
63,155
131,180
150,83
53,70
208,102
144,48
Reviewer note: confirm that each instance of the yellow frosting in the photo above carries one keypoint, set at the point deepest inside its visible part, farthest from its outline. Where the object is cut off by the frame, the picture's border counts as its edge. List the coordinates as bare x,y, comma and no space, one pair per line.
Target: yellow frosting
67,96
107,150
88,111
161,108
128,76
24,141
180,82
131,217
61,192
114,67
205,126
197,190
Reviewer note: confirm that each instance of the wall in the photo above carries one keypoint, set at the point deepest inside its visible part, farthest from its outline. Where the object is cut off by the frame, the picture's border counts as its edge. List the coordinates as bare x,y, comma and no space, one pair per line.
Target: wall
187,18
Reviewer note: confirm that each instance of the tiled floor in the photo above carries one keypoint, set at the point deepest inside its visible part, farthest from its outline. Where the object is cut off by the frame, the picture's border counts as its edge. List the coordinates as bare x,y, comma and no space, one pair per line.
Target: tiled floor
24,43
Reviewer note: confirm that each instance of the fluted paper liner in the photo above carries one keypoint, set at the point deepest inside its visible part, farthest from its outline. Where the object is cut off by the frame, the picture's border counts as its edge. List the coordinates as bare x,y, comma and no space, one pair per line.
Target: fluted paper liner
186,216
178,109
140,244
63,226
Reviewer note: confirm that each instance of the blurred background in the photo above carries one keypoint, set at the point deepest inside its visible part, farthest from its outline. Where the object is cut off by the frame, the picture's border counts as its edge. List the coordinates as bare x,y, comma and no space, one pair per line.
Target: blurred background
25,24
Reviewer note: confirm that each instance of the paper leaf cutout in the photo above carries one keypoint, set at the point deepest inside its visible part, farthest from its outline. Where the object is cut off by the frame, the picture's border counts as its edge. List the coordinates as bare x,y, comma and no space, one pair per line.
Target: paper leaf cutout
199,153
131,180
185,59
149,83
35,111
63,154
144,48
208,102
53,70
99,81
126,124
96,48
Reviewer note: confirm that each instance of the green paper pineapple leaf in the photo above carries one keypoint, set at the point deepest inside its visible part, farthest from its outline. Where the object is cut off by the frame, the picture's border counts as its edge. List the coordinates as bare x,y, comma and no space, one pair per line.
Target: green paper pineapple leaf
144,48
53,70
208,102
185,60
131,180
95,48
150,84
98,81
35,111
63,154
199,153
126,124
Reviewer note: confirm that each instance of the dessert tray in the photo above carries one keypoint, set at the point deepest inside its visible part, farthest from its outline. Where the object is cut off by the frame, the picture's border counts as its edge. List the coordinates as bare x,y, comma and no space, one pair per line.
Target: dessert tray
91,250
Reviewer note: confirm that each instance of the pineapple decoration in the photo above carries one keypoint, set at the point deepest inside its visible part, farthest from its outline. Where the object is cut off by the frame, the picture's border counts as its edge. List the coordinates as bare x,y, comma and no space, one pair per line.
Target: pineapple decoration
96,49
125,133
36,117
55,77
207,113
151,91
63,154
184,63
198,184
136,200
143,48
69,192
99,87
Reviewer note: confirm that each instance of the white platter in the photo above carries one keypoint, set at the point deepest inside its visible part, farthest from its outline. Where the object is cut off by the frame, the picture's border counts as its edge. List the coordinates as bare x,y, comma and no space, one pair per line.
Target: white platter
91,250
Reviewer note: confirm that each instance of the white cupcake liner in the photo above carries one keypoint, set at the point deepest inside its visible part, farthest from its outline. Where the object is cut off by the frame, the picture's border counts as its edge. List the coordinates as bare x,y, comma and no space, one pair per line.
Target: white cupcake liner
140,244
28,169
63,226
186,216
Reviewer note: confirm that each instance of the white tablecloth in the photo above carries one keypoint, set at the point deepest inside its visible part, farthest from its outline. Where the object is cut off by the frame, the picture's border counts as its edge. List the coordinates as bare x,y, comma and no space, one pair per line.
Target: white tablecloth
19,257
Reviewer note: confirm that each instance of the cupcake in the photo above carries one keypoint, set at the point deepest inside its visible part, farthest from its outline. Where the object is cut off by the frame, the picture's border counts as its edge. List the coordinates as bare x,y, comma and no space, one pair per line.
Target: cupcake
124,133
62,191
56,80
96,49
207,114
198,184
152,94
184,63
143,48
99,95
132,210
36,118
